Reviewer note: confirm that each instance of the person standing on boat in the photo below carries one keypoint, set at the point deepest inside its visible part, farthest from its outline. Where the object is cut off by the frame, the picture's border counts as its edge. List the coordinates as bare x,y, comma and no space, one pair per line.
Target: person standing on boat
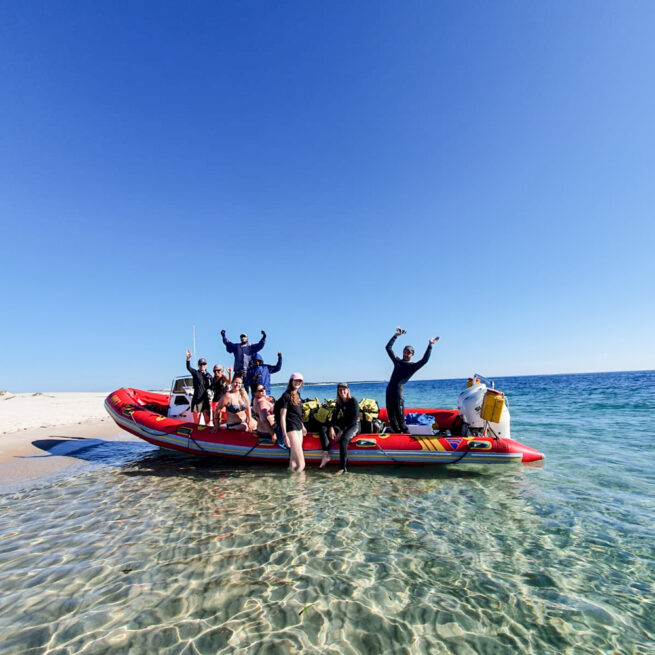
242,352
260,373
202,382
343,425
220,385
403,369
288,416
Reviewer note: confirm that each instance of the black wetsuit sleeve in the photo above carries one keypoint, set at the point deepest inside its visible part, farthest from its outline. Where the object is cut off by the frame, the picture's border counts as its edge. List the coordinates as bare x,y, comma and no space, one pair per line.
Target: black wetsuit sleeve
389,348
424,360
354,414
198,382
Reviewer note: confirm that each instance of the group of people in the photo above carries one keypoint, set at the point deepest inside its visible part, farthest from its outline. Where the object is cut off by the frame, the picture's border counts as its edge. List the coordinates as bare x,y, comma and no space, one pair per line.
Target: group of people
224,399
249,371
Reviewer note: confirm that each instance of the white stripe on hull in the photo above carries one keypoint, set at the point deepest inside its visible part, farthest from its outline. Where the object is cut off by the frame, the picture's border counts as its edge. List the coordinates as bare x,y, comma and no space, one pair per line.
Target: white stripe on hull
178,442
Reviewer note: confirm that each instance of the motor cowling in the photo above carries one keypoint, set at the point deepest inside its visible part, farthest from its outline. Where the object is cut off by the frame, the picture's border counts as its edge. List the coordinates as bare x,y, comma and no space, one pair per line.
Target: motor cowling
469,405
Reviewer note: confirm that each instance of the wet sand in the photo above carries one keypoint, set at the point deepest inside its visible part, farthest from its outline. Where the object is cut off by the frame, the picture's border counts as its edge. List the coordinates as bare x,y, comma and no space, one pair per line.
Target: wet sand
39,433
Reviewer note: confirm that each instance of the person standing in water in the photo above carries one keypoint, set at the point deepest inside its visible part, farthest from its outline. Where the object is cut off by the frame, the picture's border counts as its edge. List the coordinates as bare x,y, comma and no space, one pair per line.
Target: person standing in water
288,416
403,369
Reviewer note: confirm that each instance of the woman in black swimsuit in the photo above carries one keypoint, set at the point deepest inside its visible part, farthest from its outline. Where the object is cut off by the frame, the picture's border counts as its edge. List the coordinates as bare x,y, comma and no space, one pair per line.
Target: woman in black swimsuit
237,405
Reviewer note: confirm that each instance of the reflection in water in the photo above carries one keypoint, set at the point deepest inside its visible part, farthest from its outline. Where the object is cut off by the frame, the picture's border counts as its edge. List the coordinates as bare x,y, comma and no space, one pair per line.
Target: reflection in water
153,551
171,551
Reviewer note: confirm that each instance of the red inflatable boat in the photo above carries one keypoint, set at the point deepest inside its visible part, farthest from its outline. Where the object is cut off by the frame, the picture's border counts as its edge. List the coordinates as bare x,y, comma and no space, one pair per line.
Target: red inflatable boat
145,414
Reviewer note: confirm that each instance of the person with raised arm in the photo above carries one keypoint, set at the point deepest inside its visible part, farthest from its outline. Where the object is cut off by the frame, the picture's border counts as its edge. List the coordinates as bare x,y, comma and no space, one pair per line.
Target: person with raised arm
243,352
260,373
403,369
202,382
220,385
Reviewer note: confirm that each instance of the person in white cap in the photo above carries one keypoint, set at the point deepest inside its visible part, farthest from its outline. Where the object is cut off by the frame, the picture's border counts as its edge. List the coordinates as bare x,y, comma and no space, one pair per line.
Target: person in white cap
288,416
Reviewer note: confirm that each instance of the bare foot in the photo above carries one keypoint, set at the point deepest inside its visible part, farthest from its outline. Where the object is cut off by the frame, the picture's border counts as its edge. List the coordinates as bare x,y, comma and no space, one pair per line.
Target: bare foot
325,459
340,472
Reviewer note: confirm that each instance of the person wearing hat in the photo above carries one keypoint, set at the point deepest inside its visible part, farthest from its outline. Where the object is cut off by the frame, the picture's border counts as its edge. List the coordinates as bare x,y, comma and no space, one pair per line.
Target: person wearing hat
343,425
403,369
243,352
260,373
287,412
202,382
220,385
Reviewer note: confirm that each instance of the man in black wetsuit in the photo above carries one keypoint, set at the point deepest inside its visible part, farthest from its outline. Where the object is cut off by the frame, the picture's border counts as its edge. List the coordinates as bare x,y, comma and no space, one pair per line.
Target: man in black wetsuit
403,369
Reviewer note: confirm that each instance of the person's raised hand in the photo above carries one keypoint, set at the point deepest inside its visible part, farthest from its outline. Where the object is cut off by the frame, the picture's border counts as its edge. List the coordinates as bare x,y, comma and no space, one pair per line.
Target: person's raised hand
222,333
434,340
263,334
188,355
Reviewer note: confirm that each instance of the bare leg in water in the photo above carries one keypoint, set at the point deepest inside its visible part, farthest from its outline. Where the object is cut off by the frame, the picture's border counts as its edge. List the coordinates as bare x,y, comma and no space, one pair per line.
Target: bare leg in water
297,457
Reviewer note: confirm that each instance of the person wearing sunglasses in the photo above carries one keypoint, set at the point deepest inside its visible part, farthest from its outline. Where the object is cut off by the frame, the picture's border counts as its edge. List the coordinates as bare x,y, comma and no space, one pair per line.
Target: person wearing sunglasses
343,425
202,382
220,384
264,413
288,416
403,369
237,406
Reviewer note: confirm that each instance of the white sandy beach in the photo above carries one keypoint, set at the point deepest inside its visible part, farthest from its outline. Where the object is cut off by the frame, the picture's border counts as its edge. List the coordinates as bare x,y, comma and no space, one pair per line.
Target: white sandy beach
27,411
27,418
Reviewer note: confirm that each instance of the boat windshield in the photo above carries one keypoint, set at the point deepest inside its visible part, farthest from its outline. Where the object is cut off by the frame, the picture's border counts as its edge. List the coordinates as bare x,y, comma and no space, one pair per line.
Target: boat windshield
182,385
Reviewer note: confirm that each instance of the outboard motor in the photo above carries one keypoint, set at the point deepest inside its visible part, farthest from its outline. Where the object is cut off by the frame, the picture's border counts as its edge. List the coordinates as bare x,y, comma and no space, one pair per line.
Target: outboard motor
483,409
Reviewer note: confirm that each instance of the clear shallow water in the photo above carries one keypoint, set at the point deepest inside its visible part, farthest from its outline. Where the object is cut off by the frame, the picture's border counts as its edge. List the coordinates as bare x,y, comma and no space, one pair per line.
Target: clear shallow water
149,551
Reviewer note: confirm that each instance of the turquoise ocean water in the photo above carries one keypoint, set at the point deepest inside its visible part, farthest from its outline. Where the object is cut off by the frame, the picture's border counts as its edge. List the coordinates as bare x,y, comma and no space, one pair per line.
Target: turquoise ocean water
141,550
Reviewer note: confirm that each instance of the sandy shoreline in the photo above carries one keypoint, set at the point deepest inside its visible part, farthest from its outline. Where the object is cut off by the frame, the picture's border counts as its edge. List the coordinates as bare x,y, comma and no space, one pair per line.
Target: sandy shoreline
28,411
30,424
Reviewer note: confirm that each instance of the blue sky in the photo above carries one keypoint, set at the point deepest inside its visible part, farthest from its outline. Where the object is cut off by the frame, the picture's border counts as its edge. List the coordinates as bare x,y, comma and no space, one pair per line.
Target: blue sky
326,172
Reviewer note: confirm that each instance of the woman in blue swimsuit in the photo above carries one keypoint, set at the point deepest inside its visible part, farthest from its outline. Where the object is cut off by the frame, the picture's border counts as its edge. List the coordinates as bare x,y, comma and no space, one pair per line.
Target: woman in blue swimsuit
237,406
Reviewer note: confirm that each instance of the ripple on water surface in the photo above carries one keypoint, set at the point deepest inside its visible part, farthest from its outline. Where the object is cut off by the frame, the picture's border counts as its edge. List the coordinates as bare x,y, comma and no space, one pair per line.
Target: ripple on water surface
156,552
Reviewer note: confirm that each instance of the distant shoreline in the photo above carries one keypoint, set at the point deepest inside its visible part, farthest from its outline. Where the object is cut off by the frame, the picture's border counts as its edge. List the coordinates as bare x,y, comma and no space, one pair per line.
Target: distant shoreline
491,377
9,393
